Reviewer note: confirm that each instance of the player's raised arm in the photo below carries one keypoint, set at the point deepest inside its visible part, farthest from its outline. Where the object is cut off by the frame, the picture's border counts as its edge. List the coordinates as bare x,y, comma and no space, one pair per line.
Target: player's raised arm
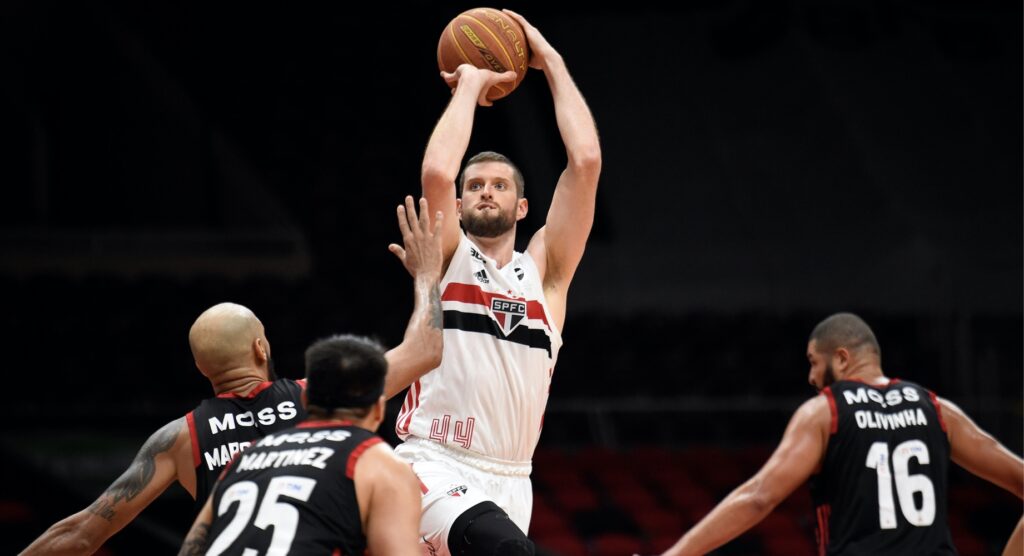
449,141
571,214
420,350
154,468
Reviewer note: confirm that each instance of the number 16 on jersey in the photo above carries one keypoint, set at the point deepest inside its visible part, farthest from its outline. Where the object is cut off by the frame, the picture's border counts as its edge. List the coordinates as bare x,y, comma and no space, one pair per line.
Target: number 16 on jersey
906,484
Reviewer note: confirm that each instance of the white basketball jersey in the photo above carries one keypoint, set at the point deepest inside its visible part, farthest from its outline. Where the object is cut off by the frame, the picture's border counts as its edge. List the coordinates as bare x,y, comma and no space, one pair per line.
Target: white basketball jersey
500,346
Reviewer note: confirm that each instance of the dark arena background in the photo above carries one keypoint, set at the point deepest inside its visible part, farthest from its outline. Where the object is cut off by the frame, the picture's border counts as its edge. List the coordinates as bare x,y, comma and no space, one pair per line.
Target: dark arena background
766,163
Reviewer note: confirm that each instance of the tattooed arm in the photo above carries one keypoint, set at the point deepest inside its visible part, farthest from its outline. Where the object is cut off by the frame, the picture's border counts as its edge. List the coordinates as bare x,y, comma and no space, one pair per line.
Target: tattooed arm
196,542
154,468
420,350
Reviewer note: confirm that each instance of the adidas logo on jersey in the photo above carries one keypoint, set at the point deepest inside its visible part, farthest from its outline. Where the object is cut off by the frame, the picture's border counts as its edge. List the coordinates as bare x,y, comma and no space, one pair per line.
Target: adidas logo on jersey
482,276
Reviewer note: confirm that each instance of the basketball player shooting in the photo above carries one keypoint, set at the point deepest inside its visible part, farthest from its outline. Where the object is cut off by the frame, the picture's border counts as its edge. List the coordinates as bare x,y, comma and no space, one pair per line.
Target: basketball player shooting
471,425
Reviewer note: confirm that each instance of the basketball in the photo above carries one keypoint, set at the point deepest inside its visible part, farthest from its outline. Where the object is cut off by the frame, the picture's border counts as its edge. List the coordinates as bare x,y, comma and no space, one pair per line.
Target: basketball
488,39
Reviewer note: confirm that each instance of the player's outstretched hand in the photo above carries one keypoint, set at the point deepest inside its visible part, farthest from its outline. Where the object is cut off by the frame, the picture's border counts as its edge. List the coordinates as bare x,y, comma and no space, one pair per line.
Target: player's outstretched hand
420,251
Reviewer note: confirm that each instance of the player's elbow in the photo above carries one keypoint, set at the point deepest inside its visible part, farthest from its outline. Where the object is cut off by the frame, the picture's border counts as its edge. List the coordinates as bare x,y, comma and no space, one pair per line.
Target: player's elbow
434,174
587,160
760,500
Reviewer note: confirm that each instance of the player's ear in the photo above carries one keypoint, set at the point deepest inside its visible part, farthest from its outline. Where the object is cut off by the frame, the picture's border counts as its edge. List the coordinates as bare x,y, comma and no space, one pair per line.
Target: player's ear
377,413
522,207
840,360
458,207
303,398
260,350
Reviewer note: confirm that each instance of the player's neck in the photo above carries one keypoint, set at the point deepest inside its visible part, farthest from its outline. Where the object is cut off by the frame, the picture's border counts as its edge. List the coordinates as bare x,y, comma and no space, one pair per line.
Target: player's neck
500,248
240,381
341,417
868,372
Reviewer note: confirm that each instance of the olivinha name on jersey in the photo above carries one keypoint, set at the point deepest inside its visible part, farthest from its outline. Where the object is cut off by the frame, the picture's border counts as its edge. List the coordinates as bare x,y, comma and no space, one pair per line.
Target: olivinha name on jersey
912,417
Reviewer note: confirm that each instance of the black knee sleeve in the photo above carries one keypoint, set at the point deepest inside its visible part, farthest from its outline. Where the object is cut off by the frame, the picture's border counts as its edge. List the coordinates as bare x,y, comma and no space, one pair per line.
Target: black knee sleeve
486,530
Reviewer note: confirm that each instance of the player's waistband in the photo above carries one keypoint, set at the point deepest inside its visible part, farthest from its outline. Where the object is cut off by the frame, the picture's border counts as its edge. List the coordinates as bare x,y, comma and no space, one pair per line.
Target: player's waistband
478,461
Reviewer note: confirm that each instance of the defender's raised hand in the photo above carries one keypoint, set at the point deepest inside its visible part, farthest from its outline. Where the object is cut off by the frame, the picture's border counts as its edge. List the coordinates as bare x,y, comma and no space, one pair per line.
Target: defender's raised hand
420,251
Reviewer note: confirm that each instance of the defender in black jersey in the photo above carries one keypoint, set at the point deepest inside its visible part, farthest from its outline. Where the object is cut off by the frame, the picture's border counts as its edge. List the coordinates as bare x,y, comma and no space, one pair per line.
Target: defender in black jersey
222,426
327,486
878,450
231,349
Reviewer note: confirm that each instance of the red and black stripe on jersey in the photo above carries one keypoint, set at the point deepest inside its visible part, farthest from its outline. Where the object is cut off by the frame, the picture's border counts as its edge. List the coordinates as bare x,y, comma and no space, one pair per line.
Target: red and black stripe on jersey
483,323
887,446
222,426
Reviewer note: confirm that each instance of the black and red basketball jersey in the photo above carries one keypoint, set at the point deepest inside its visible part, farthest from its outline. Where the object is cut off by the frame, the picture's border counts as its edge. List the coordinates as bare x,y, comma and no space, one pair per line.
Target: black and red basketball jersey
293,492
882,488
221,427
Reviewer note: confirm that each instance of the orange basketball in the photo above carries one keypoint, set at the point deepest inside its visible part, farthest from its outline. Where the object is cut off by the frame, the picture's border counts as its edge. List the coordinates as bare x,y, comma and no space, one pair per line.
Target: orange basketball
489,39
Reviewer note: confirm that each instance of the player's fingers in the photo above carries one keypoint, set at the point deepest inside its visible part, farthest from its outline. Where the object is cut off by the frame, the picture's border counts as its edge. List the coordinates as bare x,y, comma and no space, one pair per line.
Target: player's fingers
438,218
527,26
520,19
410,213
403,222
398,251
424,216
507,76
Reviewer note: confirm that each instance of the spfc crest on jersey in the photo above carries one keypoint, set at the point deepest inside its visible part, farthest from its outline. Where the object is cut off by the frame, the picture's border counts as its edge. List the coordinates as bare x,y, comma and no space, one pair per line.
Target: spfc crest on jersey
508,312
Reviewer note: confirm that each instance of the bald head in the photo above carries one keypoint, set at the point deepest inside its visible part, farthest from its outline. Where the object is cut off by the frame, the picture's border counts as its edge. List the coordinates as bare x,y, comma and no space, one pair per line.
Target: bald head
227,336
845,330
